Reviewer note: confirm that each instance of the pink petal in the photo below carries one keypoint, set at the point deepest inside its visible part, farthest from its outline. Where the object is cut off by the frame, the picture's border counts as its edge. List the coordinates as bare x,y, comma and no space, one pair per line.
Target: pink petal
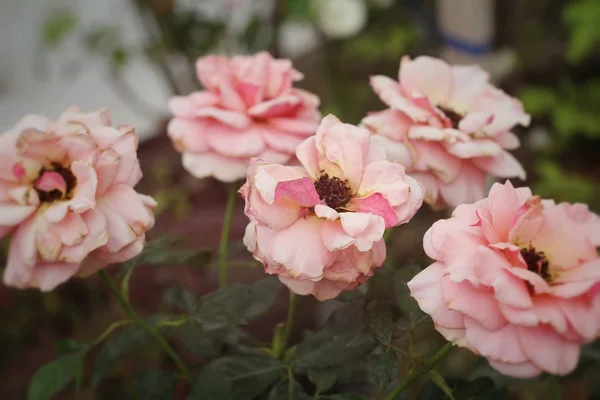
231,118
477,304
295,126
277,107
13,214
334,237
475,148
95,237
189,134
106,167
365,228
302,191
548,351
21,255
386,178
306,261
503,165
235,143
378,205
225,169
389,123
508,140
390,92
71,229
426,288
182,106
322,290
468,82
500,345
323,211
428,76
84,193
468,187
522,370
48,276
307,154
473,122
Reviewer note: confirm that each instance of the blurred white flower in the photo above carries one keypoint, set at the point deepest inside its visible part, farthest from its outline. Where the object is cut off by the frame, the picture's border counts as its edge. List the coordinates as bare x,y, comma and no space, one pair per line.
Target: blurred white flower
539,138
297,38
341,18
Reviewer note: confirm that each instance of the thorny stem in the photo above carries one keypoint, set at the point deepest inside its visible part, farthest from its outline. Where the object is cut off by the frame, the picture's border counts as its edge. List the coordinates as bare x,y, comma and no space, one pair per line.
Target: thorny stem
223,273
144,325
416,373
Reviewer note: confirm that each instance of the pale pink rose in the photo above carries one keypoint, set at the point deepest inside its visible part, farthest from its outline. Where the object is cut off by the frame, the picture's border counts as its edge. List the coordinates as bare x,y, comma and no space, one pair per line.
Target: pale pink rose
320,226
516,280
449,126
249,109
67,198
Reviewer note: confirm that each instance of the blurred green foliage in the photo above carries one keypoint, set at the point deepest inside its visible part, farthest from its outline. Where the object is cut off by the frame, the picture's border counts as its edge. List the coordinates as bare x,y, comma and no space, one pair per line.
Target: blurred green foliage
582,17
555,182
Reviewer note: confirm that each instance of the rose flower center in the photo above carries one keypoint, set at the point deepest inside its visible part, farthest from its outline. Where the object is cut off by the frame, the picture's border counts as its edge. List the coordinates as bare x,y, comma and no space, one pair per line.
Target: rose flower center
453,116
334,191
536,262
55,183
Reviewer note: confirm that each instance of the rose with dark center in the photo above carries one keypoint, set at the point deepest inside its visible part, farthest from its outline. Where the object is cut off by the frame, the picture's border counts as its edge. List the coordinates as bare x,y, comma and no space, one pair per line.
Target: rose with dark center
67,197
516,279
536,262
319,226
333,191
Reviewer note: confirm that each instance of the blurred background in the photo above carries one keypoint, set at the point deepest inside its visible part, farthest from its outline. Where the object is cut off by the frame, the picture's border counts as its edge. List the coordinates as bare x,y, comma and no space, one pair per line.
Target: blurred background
132,55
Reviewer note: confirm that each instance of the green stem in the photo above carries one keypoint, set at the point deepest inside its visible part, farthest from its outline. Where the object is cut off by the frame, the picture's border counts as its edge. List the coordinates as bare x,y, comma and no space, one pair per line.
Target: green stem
280,340
144,325
416,373
223,273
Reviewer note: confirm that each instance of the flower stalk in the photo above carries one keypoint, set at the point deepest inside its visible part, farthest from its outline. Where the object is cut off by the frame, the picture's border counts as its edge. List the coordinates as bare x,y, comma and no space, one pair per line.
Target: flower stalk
283,332
145,326
224,243
417,372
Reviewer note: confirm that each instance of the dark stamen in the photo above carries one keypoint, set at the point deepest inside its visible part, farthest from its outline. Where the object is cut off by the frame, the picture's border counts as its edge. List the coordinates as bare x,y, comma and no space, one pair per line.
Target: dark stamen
536,262
56,194
453,116
334,191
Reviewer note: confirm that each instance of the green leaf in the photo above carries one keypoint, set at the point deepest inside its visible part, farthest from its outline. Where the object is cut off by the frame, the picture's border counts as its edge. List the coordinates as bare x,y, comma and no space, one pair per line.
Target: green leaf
323,378
326,349
131,339
282,391
223,308
347,318
236,378
385,370
197,340
379,321
154,385
163,252
58,26
180,299
55,376
441,383
67,346
263,294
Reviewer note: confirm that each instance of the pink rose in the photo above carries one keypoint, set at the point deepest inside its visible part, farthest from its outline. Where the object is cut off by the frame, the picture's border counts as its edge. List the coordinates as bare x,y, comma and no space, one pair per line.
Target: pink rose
249,109
67,197
320,226
449,127
516,280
